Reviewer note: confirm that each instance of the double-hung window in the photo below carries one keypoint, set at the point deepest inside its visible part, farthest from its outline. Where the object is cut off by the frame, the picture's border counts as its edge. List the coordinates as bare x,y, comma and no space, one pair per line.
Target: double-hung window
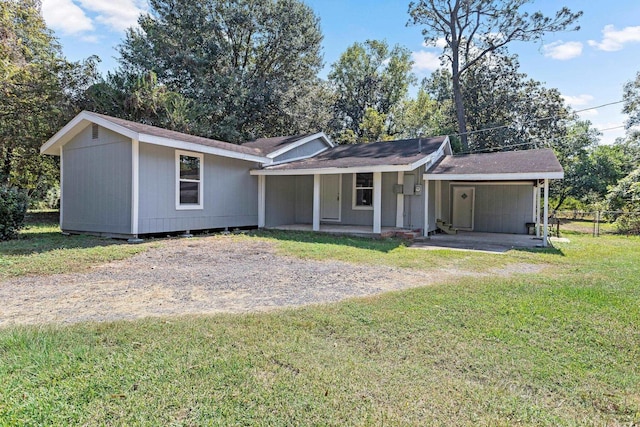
363,191
188,180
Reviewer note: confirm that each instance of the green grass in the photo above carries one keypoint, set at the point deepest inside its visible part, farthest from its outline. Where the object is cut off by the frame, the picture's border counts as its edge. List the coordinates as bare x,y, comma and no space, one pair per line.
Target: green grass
41,249
558,348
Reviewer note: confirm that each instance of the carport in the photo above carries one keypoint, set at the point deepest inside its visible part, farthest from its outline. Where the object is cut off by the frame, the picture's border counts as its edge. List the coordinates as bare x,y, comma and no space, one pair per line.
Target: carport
514,187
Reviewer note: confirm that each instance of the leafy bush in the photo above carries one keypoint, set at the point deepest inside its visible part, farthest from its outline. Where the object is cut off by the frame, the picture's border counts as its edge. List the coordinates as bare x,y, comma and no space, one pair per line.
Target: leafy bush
628,223
13,207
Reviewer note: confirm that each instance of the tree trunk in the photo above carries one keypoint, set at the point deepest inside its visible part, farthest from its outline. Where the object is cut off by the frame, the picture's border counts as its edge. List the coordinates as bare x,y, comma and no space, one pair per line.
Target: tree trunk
460,113
5,175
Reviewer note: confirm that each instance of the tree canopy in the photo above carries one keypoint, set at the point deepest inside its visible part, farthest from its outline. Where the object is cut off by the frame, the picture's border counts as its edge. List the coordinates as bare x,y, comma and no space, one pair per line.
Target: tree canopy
39,91
370,80
244,66
473,29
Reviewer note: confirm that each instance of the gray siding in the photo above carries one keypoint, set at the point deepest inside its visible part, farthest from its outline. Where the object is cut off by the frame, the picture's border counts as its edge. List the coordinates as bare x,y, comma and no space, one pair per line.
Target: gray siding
497,209
96,183
414,205
352,216
280,207
230,193
305,150
503,208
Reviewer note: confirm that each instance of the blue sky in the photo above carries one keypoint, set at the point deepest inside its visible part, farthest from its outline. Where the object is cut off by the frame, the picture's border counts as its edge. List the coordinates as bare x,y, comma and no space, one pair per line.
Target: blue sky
589,66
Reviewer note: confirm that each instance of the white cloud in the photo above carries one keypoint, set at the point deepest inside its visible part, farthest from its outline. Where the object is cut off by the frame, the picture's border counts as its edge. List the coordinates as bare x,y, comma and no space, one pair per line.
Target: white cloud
425,61
610,131
441,43
613,39
562,51
66,17
81,16
116,14
578,101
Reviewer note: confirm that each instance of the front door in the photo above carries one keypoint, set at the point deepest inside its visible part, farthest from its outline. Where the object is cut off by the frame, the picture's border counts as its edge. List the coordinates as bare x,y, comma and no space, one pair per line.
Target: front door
463,201
330,197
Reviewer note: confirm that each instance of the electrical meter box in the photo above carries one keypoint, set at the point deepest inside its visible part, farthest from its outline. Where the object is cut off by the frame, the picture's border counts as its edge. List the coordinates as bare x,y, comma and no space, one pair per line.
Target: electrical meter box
417,190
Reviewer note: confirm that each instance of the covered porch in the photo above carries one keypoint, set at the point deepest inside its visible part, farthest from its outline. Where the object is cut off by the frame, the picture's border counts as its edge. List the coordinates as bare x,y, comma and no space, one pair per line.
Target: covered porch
505,192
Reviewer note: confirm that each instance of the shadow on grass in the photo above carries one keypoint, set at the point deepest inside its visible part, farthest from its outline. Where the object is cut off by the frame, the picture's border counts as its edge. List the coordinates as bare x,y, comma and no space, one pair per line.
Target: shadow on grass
380,245
42,234
548,250
31,242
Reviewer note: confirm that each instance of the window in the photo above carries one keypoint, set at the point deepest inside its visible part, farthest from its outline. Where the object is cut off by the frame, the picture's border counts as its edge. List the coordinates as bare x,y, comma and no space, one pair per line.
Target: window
189,180
363,191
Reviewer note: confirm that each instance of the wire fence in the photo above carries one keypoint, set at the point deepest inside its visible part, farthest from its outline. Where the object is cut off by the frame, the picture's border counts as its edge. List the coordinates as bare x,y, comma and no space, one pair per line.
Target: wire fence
625,222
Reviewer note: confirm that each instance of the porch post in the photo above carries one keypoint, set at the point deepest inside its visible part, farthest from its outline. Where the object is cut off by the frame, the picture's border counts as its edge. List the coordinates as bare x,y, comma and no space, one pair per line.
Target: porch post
316,202
425,226
262,187
545,231
377,202
538,231
400,203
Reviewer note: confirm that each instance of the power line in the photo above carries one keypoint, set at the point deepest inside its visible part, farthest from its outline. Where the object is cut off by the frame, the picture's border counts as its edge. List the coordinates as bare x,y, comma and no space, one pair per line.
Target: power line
536,120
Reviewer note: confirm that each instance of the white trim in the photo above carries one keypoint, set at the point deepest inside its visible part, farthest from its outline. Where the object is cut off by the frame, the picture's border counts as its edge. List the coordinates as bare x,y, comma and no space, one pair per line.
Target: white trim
495,176
538,195
498,183
316,203
293,159
82,120
545,228
354,206
61,184
135,185
339,200
190,146
425,227
400,203
438,199
262,193
333,170
289,147
473,205
377,202
200,181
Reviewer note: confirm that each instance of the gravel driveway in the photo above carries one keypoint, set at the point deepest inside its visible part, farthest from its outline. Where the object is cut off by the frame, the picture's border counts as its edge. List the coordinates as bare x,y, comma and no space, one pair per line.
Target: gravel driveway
197,276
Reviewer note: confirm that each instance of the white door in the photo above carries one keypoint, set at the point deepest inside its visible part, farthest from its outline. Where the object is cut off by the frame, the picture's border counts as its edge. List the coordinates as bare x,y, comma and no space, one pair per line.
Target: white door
330,197
463,201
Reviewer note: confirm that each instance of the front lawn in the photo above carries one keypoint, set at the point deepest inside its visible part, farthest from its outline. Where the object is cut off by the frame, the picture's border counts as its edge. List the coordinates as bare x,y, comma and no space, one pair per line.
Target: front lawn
41,249
561,347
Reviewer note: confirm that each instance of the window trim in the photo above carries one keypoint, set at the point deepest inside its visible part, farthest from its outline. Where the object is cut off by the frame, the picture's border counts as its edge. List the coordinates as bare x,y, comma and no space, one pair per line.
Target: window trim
354,190
189,206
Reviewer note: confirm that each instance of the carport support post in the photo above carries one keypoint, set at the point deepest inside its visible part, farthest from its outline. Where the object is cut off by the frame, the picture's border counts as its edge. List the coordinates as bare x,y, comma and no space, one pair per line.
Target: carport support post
400,203
425,227
316,202
545,230
377,202
262,189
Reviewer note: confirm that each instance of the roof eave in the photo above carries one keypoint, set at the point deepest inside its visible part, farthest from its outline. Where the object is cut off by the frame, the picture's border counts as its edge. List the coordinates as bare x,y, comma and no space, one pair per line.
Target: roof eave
522,176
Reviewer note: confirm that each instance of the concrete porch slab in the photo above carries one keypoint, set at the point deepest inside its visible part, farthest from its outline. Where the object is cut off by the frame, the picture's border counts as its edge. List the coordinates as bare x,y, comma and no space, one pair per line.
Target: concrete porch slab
484,242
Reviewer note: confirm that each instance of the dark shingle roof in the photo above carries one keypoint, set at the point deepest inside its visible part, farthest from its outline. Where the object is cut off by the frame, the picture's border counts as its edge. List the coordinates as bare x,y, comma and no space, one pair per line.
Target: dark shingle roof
269,145
178,136
508,162
402,152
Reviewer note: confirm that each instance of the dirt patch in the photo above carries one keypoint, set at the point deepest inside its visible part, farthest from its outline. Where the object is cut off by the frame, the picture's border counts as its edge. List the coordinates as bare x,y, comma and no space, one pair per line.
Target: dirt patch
199,276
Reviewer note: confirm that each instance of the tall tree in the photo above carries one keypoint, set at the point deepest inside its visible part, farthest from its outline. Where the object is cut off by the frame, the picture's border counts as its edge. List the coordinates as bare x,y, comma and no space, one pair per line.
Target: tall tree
473,29
371,77
239,61
506,109
39,91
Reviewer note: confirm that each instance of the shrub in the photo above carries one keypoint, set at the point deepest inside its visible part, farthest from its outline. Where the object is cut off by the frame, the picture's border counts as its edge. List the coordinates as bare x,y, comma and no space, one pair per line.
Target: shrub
628,223
13,207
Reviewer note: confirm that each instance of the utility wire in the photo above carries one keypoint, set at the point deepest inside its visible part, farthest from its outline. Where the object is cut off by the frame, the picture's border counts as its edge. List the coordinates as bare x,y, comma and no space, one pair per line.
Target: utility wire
535,120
